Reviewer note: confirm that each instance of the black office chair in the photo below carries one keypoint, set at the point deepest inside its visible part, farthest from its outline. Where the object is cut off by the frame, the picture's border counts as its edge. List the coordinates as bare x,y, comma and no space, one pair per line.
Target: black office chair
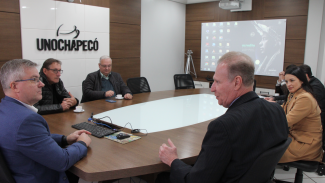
138,85
321,167
263,167
302,166
306,166
183,81
254,86
5,174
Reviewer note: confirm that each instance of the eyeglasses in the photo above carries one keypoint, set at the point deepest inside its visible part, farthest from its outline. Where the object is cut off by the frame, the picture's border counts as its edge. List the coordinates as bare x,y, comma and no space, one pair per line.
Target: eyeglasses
56,71
33,80
105,65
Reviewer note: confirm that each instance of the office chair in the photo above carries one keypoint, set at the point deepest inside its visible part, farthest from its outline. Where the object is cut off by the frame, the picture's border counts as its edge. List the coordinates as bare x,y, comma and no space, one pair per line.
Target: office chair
263,167
138,85
306,166
5,174
254,87
321,167
302,166
183,81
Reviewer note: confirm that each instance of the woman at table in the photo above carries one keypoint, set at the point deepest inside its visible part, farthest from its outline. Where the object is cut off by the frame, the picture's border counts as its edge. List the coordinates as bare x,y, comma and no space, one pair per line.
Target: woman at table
303,116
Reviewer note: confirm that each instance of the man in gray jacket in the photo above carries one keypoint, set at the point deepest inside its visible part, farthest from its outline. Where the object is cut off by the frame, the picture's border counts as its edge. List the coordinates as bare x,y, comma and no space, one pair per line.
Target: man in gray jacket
104,83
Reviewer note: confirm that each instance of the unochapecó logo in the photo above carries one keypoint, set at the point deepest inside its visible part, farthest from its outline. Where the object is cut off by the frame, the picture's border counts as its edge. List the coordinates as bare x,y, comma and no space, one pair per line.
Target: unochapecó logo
75,30
60,44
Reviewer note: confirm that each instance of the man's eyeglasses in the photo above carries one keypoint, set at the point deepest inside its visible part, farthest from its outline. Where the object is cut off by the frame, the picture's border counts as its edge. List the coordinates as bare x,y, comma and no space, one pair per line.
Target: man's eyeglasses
56,71
33,80
105,66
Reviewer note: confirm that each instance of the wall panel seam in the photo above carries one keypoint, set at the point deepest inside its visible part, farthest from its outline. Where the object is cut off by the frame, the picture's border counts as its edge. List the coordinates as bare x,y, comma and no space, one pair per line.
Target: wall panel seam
126,23
295,39
122,57
9,12
287,16
199,20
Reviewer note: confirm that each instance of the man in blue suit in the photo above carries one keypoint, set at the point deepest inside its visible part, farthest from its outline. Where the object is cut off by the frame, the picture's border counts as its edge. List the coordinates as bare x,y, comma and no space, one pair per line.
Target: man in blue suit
32,153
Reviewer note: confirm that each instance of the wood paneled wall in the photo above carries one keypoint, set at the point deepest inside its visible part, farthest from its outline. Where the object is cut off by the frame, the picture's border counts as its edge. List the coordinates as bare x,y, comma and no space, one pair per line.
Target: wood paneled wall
295,11
10,37
125,22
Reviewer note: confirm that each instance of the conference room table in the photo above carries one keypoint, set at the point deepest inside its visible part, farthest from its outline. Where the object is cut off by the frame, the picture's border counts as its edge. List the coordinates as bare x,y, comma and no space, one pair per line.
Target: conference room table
109,160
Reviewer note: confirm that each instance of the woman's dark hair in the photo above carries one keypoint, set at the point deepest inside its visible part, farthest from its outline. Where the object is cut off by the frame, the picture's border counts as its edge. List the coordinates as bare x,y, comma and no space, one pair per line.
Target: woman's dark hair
306,69
291,65
300,74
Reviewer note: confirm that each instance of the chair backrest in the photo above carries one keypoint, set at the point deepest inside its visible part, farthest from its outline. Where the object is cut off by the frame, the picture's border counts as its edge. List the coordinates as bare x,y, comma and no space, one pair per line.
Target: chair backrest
5,174
254,87
83,99
138,85
263,166
323,141
183,81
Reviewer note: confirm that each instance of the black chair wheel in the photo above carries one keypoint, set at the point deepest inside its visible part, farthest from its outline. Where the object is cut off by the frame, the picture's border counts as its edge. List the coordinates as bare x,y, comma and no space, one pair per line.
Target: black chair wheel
321,169
286,168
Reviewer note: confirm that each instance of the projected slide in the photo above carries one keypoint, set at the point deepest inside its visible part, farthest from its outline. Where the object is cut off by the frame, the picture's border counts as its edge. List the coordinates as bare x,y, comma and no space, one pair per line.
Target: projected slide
262,40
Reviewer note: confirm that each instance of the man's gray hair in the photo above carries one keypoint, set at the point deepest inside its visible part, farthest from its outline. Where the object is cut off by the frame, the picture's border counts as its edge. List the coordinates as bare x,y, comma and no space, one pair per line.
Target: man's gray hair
14,70
104,57
239,64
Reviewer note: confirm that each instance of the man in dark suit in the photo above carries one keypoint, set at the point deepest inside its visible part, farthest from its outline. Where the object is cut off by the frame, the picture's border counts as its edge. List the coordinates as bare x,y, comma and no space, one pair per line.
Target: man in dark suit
104,83
234,140
32,153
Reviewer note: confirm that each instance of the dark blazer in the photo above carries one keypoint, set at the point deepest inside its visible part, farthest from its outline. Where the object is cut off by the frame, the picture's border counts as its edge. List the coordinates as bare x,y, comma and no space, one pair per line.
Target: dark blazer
319,93
92,86
233,141
46,104
32,153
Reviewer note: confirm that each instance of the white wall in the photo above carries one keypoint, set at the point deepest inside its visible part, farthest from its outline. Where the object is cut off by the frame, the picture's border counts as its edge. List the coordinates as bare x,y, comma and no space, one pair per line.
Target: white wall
162,42
199,1
193,1
315,30
321,56
179,1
